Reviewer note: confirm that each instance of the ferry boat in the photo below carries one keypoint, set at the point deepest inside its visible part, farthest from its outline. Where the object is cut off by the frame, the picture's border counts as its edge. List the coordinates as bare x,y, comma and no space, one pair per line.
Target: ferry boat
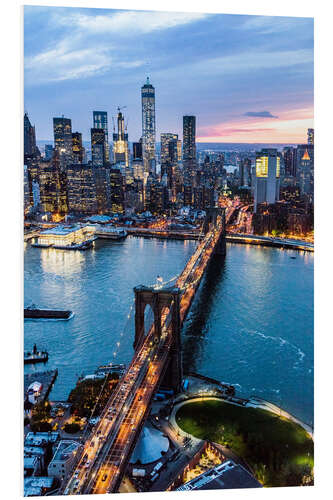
32,312
35,356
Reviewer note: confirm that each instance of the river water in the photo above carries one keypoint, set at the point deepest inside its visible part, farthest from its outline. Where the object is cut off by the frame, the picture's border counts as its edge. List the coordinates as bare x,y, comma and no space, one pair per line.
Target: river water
251,323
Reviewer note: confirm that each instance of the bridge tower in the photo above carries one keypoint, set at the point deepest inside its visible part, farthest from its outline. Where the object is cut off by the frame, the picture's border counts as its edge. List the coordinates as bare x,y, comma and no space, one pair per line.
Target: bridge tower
161,300
210,223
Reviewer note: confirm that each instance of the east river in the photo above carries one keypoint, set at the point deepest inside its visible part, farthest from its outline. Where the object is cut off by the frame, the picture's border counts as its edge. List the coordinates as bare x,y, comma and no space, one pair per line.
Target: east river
251,323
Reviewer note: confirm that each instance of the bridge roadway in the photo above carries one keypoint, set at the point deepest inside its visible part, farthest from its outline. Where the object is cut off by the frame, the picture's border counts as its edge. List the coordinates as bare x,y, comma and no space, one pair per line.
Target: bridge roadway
105,455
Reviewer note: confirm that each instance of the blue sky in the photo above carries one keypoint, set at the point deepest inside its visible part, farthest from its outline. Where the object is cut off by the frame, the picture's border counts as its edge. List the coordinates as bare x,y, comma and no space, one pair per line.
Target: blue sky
246,78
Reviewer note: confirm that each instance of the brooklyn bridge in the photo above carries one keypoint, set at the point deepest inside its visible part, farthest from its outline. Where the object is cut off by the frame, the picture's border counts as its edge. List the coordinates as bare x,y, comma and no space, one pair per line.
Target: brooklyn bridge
157,361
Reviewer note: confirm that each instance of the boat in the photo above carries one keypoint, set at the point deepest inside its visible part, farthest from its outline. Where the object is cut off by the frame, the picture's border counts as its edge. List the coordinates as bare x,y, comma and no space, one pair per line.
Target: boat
76,246
35,356
32,312
111,233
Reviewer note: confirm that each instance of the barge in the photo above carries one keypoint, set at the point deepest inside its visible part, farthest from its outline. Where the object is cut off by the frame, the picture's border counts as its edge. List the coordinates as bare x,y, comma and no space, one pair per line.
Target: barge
32,312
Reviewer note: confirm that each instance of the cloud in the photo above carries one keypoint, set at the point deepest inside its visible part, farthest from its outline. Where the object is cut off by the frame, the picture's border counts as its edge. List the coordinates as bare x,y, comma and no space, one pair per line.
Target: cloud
128,23
260,114
267,25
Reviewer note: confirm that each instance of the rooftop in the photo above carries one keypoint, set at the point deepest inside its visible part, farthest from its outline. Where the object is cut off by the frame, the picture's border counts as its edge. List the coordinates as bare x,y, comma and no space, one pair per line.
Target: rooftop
65,449
40,438
61,230
227,475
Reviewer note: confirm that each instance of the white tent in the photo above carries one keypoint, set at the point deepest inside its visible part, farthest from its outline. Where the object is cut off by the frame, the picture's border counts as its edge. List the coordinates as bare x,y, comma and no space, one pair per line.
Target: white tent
150,446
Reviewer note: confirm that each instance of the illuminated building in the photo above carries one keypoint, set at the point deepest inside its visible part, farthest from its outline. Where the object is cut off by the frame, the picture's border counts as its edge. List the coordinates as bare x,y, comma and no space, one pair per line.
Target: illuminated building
267,181
117,190
30,147
305,168
179,150
189,147
100,119
26,190
188,194
81,189
148,126
97,147
311,136
64,236
103,188
169,156
53,186
289,159
138,169
78,149
62,130
120,142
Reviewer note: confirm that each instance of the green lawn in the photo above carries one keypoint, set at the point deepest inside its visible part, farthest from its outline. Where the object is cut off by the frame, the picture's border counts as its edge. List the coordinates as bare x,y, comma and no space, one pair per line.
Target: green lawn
279,451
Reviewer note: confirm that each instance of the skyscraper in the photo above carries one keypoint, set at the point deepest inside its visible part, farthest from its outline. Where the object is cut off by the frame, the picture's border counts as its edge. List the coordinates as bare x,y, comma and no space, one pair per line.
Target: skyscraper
120,141
101,121
311,136
81,189
189,148
169,156
97,147
78,149
30,147
137,150
63,142
148,125
267,182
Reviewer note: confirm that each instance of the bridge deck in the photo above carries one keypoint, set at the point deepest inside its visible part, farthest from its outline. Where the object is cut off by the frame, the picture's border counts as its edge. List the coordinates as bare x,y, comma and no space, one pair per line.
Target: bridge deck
109,447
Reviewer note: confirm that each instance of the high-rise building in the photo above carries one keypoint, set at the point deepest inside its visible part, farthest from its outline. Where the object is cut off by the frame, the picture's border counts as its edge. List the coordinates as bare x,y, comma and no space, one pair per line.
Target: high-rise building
311,136
53,186
120,142
267,181
148,125
137,150
245,172
81,189
169,156
189,147
30,148
48,151
290,161
63,142
97,147
78,149
305,168
117,190
101,121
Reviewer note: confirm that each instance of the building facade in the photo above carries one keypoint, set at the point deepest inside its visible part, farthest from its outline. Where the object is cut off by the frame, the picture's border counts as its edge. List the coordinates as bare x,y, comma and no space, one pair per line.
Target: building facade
267,181
120,142
148,126
189,147
100,119
97,147
63,140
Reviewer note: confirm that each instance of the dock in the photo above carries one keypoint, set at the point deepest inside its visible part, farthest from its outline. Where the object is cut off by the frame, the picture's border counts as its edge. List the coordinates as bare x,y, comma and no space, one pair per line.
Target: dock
46,378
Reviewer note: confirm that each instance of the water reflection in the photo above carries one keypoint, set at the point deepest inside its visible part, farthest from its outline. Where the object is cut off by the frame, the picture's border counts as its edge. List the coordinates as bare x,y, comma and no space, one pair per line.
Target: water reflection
62,262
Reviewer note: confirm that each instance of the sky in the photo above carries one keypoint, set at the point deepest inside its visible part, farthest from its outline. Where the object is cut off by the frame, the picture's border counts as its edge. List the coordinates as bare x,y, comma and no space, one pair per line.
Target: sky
245,78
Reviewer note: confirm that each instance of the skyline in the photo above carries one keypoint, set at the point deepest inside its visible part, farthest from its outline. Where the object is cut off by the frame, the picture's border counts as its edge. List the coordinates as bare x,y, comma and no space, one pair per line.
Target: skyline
78,60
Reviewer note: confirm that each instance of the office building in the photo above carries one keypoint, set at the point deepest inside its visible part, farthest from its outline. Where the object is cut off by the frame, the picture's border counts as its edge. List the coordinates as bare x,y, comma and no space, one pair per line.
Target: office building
117,190
290,161
100,119
120,141
189,147
305,168
97,147
169,156
148,126
267,180
137,150
245,172
311,136
78,149
48,149
30,148
63,141
53,186
81,189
